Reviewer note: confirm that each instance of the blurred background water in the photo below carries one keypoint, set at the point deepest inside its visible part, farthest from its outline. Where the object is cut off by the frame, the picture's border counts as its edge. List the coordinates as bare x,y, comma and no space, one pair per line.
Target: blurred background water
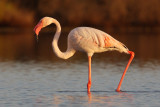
32,76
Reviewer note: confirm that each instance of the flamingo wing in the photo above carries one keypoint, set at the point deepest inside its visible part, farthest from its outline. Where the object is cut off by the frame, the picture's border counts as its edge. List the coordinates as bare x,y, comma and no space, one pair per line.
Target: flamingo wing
105,41
91,39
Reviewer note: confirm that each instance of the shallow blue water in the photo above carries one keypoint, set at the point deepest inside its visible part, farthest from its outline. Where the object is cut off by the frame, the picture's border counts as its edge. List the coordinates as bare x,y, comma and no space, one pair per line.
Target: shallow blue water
32,76
48,84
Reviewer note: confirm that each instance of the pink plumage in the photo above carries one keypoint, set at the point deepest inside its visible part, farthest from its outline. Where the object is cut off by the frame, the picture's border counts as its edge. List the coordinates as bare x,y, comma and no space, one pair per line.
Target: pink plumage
85,39
91,40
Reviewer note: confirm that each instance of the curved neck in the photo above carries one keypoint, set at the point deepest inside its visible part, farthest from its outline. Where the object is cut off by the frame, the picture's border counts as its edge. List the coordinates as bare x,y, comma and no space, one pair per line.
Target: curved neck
64,55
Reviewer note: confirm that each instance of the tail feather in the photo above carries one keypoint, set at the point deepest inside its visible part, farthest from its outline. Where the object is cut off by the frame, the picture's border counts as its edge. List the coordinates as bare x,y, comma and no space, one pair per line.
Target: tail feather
114,44
122,48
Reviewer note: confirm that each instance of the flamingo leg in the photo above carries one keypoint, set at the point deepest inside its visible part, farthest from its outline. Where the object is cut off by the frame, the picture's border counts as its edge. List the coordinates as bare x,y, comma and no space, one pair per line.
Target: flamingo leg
89,74
130,60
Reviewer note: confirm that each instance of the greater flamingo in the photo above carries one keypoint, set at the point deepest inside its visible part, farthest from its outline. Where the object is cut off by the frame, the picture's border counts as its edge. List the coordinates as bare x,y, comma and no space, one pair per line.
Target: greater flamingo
85,39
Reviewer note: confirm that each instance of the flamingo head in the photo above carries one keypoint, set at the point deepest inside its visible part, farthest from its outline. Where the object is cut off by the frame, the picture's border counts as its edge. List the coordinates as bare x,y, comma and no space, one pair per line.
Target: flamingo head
43,23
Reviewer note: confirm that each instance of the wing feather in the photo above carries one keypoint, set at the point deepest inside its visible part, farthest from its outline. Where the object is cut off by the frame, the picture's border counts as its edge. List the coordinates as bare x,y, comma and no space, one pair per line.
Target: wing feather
86,37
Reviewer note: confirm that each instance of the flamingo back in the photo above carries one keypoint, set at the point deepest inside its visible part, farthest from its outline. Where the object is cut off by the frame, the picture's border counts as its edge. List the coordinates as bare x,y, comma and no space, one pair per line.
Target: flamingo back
93,40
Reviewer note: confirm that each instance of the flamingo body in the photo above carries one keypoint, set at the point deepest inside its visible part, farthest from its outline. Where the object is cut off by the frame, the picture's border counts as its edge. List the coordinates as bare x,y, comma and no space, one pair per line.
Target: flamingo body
91,40
85,39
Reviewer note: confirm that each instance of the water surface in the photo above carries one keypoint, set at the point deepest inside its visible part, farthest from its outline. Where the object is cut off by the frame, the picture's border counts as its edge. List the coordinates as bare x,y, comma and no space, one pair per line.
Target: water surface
32,76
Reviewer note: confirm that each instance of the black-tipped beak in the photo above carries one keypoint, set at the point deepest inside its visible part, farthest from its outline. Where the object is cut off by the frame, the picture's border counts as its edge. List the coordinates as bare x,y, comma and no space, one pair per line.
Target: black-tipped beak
36,36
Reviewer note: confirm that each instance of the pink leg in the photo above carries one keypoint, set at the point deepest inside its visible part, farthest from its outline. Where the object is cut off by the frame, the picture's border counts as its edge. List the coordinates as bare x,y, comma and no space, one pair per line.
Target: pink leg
130,60
89,74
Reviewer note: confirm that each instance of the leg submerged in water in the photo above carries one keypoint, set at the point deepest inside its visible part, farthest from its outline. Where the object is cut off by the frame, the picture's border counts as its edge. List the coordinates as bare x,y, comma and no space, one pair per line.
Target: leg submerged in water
130,60
89,74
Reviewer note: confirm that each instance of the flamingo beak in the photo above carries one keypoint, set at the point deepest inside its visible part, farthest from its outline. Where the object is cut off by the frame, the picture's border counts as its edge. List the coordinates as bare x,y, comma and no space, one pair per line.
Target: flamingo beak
38,28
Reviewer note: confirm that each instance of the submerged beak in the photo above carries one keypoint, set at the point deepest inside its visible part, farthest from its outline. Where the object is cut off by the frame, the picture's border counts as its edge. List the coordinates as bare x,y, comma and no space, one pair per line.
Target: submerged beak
38,28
